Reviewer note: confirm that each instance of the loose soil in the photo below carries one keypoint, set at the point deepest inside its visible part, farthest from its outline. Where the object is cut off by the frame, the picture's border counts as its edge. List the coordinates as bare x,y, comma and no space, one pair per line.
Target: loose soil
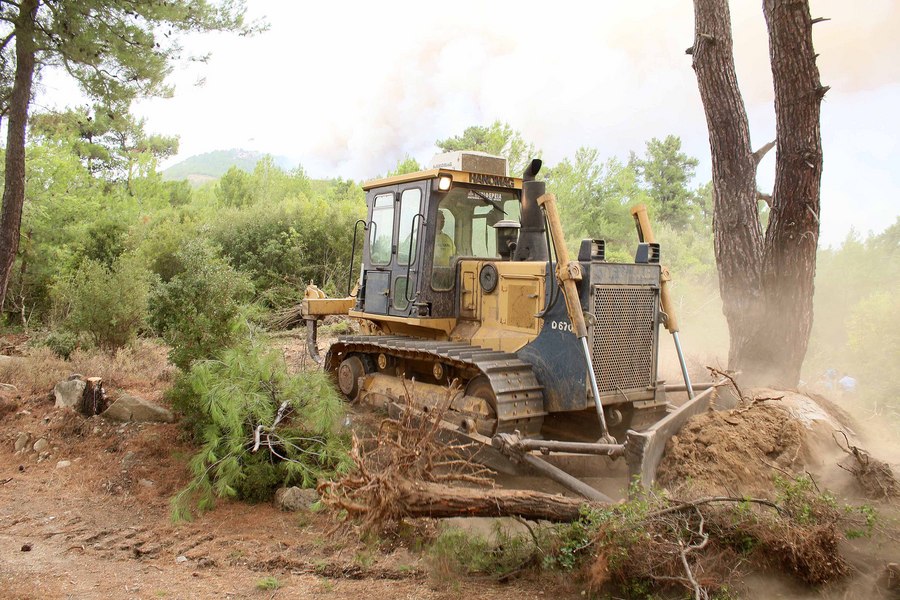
719,452
101,528
772,434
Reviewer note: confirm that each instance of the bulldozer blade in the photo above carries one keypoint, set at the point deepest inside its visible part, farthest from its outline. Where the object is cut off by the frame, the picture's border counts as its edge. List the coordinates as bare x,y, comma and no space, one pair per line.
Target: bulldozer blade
644,449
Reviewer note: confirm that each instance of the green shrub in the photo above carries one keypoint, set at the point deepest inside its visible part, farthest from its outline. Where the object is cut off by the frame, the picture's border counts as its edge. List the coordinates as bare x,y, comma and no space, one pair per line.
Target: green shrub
456,552
107,304
160,244
268,583
260,427
198,310
62,343
284,246
105,240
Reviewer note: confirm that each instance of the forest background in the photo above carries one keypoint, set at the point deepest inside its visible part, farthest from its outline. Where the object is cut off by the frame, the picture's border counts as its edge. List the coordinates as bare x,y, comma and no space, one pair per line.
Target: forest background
109,245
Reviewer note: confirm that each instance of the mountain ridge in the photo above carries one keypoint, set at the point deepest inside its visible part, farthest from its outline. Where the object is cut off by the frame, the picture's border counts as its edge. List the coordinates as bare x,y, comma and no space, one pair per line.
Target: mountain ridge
208,166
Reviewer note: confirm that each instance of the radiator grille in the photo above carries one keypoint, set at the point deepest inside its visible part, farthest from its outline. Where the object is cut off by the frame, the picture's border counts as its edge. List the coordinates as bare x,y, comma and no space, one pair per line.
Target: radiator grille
622,337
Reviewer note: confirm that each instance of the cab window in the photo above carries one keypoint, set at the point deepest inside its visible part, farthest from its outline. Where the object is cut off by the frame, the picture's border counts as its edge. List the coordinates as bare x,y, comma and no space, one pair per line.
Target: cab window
410,205
381,231
465,222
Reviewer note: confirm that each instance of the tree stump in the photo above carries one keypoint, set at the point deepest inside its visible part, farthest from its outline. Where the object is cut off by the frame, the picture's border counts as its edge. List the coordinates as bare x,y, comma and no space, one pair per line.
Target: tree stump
93,399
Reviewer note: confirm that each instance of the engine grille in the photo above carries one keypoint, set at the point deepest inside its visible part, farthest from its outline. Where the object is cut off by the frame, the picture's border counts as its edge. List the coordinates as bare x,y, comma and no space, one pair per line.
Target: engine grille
622,337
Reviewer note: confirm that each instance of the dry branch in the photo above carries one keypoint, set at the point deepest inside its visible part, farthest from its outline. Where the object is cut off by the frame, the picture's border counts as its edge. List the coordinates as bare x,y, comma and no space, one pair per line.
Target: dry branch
692,547
287,317
874,476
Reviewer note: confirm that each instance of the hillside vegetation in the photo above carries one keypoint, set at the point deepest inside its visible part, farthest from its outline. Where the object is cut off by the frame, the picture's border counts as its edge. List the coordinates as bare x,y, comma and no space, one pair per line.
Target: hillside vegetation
205,167
108,244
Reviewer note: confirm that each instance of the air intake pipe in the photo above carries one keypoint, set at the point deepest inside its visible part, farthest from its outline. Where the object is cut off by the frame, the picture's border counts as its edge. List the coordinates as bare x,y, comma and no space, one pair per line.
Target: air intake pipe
532,236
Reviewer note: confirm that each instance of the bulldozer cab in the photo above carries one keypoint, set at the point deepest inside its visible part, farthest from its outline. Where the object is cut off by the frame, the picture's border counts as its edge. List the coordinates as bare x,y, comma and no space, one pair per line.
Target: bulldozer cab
418,228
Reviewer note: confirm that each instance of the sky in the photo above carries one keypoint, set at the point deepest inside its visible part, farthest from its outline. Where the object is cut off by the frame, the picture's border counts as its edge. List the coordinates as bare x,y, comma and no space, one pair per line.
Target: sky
348,88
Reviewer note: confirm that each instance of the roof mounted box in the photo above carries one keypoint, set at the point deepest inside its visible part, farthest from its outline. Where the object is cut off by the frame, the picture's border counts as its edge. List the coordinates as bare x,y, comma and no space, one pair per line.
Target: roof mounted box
471,161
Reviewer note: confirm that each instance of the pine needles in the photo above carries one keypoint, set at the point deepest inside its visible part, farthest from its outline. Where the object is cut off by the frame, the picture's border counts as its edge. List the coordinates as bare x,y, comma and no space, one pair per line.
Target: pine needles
260,427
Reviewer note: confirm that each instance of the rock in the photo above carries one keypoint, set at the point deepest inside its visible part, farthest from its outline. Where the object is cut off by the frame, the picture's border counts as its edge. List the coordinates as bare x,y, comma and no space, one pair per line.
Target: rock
41,446
22,441
295,498
134,408
11,360
128,461
63,464
68,393
181,559
147,483
889,580
26,547
7,406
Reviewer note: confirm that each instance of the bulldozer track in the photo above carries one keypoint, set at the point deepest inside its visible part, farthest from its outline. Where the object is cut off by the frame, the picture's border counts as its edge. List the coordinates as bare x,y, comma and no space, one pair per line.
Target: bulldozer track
520,398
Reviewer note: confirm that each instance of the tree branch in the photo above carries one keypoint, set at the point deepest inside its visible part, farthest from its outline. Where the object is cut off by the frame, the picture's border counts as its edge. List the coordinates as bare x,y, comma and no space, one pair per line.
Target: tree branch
7,39
699,592
714,499
759,154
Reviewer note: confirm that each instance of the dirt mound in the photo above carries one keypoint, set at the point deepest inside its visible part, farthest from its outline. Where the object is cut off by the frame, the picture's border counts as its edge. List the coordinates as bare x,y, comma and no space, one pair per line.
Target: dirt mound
773,432
734,451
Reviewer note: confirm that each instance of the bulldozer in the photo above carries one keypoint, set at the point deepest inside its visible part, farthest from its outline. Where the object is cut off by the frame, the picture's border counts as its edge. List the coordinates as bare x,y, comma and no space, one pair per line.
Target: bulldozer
464,277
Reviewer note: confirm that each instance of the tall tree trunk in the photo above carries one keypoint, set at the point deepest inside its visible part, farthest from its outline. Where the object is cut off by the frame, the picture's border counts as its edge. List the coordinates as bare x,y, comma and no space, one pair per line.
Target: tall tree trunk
765,282
792,237
738,233
14,184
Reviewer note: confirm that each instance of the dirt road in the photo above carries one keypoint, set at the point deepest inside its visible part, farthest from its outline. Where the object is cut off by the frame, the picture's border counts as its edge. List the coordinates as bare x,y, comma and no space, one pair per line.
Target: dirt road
100,528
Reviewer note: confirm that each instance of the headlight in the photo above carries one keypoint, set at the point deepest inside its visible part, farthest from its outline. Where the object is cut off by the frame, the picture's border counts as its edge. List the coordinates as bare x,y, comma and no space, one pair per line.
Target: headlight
444,183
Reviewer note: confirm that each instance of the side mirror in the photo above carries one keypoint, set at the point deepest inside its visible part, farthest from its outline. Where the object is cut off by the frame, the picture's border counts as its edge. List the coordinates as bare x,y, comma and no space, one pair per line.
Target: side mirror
507,238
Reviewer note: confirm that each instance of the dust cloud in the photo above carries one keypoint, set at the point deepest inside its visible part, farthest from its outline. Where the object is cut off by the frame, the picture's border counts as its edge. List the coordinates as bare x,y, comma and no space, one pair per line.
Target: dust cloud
868,413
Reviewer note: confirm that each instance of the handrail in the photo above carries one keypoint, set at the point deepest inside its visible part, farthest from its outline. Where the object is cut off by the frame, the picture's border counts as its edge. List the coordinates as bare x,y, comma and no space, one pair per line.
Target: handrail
410,258
353,251
553,296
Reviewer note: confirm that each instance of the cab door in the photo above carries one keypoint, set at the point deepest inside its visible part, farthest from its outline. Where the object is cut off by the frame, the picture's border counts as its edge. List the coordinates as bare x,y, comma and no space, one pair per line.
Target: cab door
407,264
393,269
381,249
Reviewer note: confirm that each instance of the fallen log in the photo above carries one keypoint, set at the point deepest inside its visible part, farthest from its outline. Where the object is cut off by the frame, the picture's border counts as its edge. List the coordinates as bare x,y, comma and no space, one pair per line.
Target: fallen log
439,501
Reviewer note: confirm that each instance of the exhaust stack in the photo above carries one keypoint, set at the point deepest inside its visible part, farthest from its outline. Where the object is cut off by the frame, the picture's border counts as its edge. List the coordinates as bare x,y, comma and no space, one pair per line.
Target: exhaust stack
533,235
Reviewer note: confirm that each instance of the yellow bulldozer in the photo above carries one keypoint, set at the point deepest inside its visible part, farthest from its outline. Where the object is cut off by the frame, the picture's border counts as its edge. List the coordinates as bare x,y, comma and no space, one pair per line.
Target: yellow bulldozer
464,275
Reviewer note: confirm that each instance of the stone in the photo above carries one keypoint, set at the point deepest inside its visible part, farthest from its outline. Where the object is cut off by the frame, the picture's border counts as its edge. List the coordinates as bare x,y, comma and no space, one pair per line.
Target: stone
64,464
68,393
12,361
147,483
22,441
41,446
295,498
134,408
889,580
7,406
128,461
181,559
